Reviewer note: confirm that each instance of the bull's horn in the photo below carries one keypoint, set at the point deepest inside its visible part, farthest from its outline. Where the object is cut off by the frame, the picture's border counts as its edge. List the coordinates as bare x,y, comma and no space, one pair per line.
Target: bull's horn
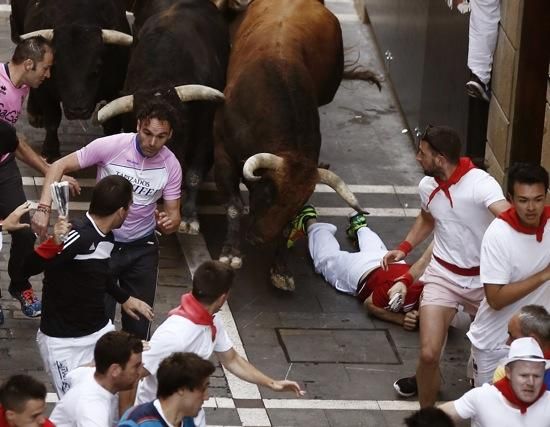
220,4
337,184
198,93
258,161
124,104
47,34
116,37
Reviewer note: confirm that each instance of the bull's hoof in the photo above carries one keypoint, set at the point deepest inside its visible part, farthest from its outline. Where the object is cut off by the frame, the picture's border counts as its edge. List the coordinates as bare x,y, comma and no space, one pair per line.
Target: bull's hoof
235,262
283,282
35,120
189,227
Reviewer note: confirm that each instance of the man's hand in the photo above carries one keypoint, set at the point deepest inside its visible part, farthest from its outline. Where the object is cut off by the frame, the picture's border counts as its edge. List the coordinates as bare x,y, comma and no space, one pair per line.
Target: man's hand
135,307
11,223
61,229
39,223
286,385
411,320
74,186
398,287
164,222
392,257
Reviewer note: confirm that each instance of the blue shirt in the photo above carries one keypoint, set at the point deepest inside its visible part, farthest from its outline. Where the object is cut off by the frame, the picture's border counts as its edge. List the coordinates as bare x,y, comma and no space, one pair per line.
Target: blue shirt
146,415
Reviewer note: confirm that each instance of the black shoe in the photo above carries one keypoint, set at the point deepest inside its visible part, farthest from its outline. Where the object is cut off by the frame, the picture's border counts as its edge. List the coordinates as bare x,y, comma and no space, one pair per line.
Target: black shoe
476,89
406,387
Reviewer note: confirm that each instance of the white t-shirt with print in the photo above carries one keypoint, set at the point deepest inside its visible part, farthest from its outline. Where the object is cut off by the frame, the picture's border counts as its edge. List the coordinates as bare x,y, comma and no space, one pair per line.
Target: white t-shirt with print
86,404
459,229
508,256
487,407
178,334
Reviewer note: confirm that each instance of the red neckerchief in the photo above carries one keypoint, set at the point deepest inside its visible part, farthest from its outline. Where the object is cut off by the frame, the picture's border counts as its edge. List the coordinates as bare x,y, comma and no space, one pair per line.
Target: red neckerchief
546,354
464,166
511,217
505,388
193,310
4,422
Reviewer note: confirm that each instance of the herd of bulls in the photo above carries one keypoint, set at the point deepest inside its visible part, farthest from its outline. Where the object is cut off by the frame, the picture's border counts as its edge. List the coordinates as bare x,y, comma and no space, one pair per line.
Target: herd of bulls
247,102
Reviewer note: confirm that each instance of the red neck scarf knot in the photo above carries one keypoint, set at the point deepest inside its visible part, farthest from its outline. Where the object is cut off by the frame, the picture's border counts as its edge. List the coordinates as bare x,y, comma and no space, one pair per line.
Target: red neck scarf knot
505,388
192,309
464,166
511,217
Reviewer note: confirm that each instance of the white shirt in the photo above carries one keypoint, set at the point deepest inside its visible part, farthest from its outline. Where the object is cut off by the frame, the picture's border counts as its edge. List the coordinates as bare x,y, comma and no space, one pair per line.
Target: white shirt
508,256
487,407
86,403
459,229
178,334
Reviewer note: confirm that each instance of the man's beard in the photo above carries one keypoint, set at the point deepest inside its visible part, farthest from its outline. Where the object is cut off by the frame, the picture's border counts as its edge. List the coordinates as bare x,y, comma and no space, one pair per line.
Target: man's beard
435,172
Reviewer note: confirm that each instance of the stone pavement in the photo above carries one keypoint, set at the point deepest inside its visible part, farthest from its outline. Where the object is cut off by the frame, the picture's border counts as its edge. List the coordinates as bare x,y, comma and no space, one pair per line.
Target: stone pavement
345,360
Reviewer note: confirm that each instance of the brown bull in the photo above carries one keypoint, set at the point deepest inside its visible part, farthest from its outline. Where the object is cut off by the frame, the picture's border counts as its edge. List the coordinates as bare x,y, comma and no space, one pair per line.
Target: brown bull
286,61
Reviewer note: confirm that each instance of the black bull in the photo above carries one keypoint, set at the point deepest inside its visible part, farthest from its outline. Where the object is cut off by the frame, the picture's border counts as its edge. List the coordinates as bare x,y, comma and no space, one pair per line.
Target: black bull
91,39
286,60
185,45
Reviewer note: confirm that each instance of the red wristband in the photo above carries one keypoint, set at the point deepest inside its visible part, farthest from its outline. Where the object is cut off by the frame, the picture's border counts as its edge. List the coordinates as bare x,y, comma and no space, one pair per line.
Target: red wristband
407,279
43,208
405,246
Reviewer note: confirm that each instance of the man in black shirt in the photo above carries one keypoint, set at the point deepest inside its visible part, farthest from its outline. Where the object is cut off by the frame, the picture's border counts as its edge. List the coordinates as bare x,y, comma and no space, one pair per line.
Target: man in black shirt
75,261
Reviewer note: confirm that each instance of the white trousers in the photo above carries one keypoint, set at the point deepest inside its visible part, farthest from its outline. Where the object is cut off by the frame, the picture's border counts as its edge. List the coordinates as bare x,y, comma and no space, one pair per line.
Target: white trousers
62,355
484,19
342,269
486,362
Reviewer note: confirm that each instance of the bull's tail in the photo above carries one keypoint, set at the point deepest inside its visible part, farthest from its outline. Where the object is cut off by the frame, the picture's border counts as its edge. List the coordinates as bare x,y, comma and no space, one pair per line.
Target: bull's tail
356,72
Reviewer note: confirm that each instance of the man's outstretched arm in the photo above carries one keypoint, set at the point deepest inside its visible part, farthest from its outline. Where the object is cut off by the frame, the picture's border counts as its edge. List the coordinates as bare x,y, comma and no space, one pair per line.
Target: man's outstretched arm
244,370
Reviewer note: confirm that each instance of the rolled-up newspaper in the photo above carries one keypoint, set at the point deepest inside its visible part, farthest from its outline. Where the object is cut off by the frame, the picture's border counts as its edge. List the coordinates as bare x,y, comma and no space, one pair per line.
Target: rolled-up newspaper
60,197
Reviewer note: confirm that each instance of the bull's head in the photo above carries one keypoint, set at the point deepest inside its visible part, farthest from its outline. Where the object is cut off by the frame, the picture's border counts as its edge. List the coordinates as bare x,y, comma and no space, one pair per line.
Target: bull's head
125,104
78,64
280,192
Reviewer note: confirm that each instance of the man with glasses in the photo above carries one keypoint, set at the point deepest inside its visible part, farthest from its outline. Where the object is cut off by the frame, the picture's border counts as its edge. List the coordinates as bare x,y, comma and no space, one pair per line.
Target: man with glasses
458,202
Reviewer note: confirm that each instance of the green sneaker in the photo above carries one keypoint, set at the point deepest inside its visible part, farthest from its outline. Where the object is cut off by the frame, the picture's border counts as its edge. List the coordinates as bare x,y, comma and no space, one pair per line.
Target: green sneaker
357,220
298,224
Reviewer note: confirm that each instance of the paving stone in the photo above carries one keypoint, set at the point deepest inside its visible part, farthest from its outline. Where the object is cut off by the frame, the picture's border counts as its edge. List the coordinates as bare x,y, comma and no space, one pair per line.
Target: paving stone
222,416
351,418
305,417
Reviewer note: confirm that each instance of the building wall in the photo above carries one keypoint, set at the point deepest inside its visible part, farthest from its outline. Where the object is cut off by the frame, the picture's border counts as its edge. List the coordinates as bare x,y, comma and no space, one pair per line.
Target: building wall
518,127
546,138
505,66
